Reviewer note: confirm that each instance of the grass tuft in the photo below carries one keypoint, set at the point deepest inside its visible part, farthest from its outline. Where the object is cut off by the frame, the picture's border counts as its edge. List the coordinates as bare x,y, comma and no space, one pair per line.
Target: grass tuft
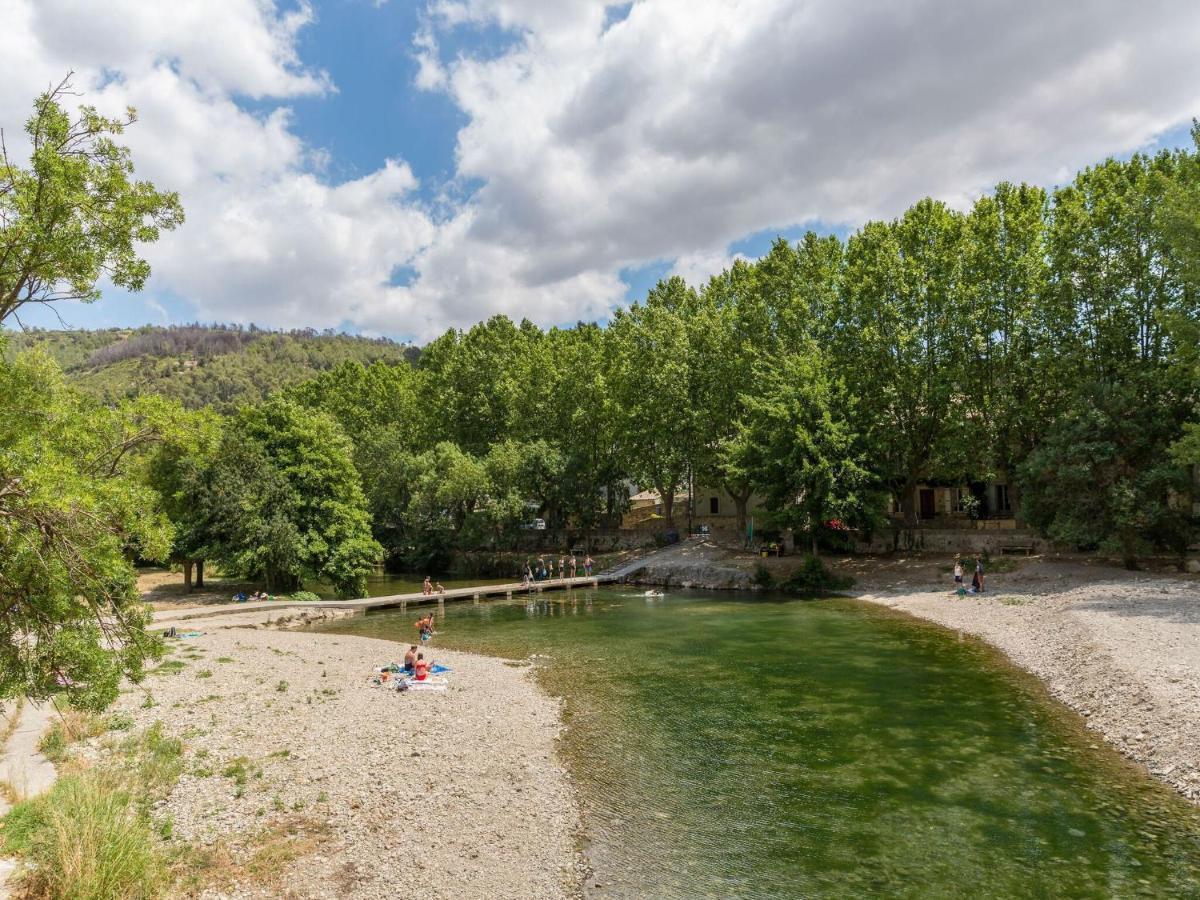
91,835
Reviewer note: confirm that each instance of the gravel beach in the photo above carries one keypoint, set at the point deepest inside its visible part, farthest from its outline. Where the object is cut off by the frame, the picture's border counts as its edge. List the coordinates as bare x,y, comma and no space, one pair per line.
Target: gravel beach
1121,648
446,795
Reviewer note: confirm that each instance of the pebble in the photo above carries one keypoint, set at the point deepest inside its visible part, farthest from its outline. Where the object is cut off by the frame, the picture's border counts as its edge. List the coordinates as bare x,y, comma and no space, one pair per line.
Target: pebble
362,760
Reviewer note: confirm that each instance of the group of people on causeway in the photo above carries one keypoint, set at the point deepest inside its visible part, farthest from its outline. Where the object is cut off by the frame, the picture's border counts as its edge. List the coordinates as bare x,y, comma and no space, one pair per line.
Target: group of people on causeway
430,588
568,567
976,579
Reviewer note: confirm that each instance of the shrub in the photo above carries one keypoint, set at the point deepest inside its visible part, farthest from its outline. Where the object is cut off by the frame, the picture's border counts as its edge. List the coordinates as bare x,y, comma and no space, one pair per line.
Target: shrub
763,577
305,596
815,578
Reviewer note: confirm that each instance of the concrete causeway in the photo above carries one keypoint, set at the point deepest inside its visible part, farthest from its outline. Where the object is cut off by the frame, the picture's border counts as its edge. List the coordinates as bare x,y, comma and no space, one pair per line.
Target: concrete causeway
476,592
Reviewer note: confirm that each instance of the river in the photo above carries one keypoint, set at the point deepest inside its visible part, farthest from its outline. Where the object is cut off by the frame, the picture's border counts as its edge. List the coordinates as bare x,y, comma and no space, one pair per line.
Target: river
748,746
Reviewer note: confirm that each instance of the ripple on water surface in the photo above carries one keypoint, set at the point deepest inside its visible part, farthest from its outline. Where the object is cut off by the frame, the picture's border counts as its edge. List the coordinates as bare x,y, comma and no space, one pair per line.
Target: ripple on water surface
734,747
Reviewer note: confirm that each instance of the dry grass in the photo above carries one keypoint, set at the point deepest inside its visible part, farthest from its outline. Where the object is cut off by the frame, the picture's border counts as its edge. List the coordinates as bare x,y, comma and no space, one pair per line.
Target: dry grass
91,835
71,727
262,863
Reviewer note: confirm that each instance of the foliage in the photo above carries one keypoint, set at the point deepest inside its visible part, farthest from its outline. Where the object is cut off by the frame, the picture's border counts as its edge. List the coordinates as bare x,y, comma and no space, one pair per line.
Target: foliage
1102,478
73,510
813,578
796,447
283,501
217,366
763,577
75,214
659,429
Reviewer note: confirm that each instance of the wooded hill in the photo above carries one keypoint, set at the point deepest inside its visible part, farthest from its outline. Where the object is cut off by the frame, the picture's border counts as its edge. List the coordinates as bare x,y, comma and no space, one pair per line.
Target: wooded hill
223,366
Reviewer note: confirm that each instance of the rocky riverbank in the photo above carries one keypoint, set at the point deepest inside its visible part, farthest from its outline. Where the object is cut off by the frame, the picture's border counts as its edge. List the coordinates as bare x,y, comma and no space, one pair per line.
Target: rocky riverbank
1121,648
456,794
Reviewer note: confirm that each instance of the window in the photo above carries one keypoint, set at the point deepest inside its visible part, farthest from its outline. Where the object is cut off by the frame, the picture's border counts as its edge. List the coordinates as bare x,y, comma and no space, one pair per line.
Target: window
714,506
1003,504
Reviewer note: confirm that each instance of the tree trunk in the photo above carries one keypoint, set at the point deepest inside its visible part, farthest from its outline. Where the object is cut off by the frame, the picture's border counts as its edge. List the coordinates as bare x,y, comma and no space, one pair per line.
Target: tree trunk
199,573
187,574
668,502
908,503
741,504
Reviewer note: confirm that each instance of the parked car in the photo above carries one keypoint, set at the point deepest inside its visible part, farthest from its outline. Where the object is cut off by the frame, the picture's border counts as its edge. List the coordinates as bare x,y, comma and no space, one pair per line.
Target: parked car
535,525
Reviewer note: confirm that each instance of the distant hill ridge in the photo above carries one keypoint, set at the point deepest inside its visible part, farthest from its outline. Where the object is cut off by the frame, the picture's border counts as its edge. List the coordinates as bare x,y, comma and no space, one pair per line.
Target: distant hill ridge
219,365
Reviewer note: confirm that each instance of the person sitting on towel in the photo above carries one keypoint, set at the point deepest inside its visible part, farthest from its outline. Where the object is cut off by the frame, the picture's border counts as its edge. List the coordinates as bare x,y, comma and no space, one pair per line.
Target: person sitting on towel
410,659
422,667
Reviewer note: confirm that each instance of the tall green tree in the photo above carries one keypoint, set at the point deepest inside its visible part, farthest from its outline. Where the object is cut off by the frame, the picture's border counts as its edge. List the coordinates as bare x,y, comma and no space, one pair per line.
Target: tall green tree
899,335
584,420
1015,376
285,502
796,446
747,314
74,213
176,471
652,372
74,512
74,507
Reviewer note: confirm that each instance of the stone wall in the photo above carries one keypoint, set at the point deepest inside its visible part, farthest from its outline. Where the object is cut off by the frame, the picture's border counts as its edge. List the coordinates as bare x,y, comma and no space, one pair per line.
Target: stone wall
957,540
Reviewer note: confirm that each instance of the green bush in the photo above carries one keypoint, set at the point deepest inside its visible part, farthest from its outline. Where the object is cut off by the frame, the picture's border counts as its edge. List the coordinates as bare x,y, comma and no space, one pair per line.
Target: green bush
814,577
763,577
305,596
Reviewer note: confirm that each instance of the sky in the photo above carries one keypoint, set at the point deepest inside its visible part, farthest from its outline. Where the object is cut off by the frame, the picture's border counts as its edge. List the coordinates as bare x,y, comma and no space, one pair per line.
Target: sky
400,167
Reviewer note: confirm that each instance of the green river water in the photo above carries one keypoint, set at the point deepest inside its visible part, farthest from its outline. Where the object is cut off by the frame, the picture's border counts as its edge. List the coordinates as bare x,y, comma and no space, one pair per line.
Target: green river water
728,746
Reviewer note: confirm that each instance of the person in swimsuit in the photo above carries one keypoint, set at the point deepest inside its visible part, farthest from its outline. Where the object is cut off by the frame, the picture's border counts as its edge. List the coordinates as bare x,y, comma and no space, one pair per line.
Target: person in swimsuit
587,566
427,587
440,589
979,574
574,563
958,572
410,659
422,667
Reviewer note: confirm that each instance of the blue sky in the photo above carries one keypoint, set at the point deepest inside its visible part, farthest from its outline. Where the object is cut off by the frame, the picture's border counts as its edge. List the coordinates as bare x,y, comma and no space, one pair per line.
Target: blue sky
402,167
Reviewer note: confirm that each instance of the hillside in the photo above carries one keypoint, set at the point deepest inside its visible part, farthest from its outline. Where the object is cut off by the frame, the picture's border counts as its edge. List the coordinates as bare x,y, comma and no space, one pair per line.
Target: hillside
220,365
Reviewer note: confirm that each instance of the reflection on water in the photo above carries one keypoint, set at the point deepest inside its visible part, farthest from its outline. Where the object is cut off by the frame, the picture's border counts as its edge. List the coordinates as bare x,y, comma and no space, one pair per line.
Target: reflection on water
757,748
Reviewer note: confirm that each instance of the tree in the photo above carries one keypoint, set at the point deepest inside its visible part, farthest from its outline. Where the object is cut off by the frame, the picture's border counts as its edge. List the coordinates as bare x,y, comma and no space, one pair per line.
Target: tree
1102,479
176,472
899,336
74,512
75,213
1015,378
583,424
480,387
74,509
796,447
751,312
283,501
651,365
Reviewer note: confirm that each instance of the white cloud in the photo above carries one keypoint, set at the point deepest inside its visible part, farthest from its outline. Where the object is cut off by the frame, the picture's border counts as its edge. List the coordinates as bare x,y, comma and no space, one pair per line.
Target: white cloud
596,144
266,239
688,125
